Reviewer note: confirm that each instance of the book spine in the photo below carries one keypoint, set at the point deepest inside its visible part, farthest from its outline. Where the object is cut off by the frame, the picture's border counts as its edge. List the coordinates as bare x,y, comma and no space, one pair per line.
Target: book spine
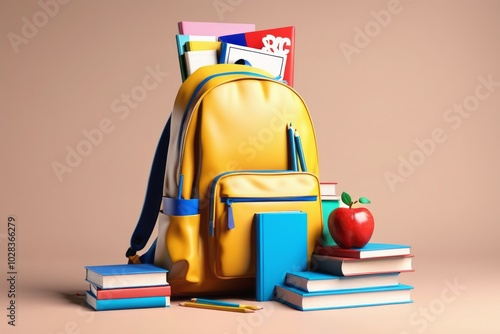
133,292
338,252
259,277
132,303
324,265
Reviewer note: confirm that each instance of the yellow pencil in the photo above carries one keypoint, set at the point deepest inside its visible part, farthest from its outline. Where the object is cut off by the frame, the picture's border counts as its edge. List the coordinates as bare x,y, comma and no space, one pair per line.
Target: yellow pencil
216,307
221,303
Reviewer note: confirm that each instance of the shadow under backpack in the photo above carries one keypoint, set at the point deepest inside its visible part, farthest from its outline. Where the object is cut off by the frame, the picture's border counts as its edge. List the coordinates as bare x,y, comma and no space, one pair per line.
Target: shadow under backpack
223,156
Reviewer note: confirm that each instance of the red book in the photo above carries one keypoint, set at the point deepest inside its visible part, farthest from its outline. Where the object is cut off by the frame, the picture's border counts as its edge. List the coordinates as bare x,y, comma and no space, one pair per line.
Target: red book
150,291
277,40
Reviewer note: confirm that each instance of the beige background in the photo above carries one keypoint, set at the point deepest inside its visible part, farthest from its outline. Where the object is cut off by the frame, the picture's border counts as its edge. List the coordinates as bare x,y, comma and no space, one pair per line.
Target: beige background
370,109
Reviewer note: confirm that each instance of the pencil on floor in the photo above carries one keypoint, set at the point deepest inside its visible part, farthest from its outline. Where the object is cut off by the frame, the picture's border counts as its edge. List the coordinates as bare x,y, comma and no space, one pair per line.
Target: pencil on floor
216,307
222,303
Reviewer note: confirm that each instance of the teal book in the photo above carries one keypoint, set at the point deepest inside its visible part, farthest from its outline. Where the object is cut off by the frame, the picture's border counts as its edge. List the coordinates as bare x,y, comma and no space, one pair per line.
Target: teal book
328,204
126,303
348,298
281,247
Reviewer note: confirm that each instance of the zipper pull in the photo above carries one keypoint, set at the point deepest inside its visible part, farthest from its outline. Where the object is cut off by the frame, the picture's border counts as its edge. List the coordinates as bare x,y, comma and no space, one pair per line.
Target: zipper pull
230,217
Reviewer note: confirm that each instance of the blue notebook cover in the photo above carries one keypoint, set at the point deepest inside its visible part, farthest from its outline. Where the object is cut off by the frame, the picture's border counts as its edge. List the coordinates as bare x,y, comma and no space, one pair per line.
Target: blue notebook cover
126,303
281,247
125,269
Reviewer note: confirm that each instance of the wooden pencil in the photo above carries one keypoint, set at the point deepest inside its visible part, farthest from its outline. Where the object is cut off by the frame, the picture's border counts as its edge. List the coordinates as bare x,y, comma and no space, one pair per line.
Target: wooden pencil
216,307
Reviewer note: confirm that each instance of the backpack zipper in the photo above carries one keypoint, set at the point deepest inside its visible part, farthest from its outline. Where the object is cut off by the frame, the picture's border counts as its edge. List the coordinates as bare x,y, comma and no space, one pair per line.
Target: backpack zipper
230,200
231,224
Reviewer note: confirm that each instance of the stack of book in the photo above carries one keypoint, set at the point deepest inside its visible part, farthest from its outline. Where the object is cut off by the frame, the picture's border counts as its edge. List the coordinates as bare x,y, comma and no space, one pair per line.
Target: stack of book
342,278
127,286
207,43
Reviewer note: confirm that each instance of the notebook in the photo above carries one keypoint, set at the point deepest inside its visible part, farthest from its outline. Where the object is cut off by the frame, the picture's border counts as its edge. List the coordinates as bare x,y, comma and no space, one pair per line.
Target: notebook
281,247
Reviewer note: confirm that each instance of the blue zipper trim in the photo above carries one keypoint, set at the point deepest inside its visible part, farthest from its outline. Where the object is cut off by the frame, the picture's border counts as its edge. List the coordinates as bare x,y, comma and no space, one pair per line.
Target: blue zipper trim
229,201
263,171
212,192
232,200
200,86
213,185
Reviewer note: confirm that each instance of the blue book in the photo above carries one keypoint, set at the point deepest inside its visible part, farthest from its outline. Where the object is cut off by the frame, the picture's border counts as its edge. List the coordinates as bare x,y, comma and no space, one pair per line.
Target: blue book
281,247
126,275
311,281
334,299
126,303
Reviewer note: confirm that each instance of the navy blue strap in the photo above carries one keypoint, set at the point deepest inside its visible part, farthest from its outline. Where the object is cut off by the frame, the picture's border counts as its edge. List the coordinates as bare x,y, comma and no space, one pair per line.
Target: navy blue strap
154,195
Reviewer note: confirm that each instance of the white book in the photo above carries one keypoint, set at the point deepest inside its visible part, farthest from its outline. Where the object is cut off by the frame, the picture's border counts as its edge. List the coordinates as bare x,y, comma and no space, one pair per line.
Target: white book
196,59
267,61
328,188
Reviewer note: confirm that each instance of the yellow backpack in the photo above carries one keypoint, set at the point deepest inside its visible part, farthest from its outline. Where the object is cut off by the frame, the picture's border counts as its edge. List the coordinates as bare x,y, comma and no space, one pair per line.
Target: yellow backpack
227,151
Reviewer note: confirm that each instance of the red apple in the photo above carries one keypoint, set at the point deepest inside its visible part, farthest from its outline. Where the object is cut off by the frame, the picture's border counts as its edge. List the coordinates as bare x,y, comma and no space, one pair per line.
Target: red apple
351,227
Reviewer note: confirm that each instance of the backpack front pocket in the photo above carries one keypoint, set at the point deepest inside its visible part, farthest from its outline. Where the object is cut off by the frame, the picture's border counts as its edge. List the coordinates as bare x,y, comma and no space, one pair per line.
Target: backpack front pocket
237,196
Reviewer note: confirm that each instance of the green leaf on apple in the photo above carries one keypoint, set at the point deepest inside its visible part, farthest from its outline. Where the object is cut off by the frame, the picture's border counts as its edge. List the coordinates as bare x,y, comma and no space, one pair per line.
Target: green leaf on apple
364,200
346,198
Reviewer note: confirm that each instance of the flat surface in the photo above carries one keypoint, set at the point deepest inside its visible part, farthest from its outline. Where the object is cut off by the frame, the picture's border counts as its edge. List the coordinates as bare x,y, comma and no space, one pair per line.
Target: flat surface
452,298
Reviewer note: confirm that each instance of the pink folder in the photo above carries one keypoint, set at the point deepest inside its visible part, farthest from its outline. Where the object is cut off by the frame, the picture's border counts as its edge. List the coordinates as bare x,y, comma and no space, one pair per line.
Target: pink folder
213,28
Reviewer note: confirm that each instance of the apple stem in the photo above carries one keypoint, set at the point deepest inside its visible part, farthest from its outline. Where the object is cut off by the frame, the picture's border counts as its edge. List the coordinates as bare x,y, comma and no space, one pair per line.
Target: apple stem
352,203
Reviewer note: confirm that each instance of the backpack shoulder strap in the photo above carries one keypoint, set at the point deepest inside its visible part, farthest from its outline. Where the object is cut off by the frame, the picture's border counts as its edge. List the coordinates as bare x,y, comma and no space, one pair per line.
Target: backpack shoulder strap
154,194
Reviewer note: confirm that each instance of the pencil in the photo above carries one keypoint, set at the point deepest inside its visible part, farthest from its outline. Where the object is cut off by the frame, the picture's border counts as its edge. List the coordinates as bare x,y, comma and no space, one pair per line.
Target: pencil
300,151
216,307
291,148
221,303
